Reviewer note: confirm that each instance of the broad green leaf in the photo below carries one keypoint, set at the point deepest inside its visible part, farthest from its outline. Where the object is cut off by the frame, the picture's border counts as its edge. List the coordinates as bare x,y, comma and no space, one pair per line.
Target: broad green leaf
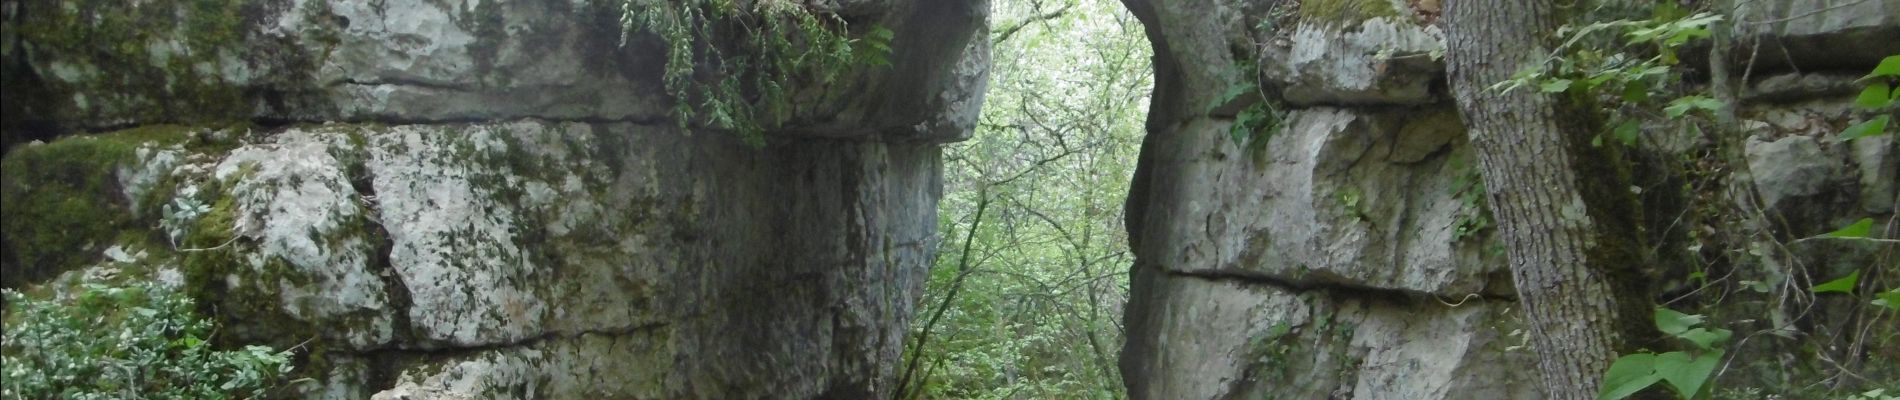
1555,85
1889,299
1705,338
1690,103
1687,373
1858,229
1843,285
1636,91
1873,127
1889,66
1628,375
1675,323
1875,96
1627,131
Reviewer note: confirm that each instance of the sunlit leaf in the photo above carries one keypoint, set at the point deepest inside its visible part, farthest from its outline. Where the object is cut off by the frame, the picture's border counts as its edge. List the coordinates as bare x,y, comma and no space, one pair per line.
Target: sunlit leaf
1889,66
1858,229
1889,299
1872,127
1874,97
1843,285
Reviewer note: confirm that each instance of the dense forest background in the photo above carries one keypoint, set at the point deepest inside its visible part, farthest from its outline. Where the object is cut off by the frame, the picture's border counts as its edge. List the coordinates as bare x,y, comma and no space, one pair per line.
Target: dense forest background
1026,293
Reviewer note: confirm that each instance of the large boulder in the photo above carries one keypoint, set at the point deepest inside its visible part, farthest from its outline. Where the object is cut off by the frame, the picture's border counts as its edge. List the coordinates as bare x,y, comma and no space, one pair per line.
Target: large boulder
1346,253
484,199
79,64
1343,254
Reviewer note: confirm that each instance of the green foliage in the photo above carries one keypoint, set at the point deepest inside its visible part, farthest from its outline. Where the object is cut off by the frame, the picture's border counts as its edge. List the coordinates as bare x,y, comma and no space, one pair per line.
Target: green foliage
1256,124
1858,229
1876,394
1883,90
1889,299
1038,314
1259,121
1628,73
179,214
1843,285
1468,187
141,340
1686,373
732,64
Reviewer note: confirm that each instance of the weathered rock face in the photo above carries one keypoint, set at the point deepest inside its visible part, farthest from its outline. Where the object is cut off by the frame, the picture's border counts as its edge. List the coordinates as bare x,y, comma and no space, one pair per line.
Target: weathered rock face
1343,257
94,64
1348,255
486,199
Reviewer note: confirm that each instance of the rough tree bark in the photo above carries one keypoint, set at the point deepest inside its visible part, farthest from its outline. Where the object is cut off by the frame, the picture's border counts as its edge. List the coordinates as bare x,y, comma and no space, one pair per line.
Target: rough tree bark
1568,231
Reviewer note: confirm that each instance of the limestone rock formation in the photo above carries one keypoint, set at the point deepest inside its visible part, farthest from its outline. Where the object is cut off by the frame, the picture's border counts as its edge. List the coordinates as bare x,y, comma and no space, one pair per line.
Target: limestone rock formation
487,199
1347,254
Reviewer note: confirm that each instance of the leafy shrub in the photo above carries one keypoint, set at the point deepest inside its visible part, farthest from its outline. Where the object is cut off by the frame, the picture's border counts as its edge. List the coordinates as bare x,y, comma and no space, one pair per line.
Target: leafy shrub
1686,373
141,341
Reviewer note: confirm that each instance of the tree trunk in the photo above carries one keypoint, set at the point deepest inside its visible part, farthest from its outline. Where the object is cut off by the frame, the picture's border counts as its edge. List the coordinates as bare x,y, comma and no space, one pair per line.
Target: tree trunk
1566,237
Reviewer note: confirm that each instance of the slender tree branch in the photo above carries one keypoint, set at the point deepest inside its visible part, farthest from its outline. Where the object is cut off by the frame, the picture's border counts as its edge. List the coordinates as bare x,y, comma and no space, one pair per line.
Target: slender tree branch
963,271
1001,35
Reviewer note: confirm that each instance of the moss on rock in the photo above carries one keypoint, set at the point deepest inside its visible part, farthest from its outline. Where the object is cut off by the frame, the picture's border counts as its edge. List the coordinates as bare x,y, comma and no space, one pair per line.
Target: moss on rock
1345,13
158,60
61,202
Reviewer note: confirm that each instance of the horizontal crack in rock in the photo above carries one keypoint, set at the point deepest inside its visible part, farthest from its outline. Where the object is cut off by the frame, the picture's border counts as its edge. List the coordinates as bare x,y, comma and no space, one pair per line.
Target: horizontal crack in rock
1348,290
532,341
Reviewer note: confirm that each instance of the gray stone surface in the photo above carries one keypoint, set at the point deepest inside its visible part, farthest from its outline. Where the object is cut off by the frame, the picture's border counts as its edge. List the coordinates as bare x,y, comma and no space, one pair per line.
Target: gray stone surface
1382,61
1345,224
1811,35
559,259
1790,169
1235,338
492,199
1342,229
1879,166
469,60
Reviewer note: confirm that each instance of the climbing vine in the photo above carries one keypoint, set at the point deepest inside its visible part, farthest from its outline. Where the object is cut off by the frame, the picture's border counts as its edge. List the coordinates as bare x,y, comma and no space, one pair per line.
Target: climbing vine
732,64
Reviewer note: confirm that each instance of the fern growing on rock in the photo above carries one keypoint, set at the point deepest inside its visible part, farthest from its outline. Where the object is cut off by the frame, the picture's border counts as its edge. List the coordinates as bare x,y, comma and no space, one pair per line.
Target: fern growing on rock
733,64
